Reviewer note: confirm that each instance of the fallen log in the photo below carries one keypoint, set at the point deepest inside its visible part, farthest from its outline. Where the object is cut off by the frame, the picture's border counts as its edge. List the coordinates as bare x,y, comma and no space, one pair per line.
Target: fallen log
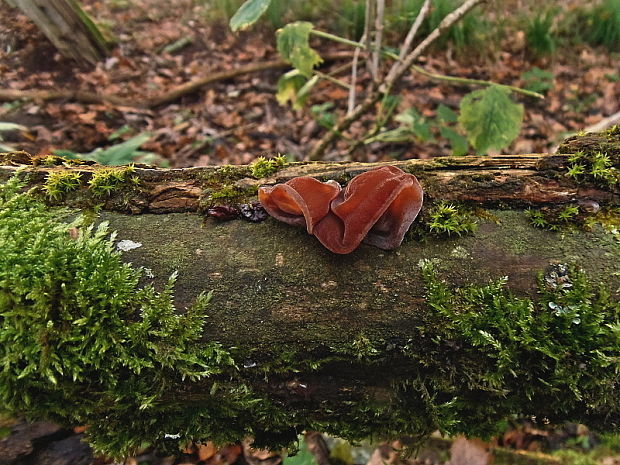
455,330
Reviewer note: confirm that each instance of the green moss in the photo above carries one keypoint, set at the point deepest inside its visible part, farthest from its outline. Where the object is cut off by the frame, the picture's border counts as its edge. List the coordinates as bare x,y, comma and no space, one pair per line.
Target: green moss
263,167
74,324
554,218
594,167
447,219
228,194
58,183
549,357
107,180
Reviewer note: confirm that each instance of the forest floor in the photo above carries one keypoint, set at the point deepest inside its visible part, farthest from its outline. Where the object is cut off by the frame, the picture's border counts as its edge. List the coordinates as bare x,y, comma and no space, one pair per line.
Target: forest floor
234,121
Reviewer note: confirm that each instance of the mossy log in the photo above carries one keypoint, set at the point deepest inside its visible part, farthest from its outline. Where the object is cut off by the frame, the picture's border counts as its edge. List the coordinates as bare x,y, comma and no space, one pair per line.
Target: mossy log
357,344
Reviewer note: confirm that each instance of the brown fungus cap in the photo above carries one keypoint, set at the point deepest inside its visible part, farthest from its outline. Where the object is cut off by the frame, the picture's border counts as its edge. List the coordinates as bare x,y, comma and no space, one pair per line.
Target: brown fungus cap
376,207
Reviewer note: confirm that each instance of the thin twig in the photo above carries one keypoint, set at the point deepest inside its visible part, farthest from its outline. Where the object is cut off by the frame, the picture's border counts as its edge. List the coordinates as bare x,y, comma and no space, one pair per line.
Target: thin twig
356,55
446,23
462,80
332,79
330,137
376,53
369,20
406,47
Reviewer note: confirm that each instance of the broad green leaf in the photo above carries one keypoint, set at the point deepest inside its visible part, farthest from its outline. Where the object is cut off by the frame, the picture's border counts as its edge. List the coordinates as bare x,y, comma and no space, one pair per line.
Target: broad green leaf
289,86
248,14
323,115
457,141
121,154
293,45
445,114
490,118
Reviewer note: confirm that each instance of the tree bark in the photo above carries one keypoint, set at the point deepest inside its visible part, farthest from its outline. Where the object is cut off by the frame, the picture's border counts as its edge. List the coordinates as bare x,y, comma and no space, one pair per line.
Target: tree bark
324,332
67,26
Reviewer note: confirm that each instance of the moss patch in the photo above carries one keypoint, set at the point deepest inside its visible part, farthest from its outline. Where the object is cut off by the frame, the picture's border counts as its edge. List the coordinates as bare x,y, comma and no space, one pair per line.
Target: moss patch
263,167
58,183
107,180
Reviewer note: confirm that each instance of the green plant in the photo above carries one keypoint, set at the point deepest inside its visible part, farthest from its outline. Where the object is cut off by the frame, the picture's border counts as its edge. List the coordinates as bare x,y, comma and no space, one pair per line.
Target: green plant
595,167
490,118
446,219
414,126
106,180
539,34
499,118
263,167
118,154
58,183
537,80
603,24
75,323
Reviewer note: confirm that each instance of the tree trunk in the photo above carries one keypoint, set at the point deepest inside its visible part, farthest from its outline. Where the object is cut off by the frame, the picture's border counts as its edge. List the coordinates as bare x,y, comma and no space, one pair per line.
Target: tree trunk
67,26
355,344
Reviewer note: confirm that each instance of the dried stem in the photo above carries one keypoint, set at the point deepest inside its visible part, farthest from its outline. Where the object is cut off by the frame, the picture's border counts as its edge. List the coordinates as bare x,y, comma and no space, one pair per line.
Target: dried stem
368,20
356,55
330,137
376,53
406,47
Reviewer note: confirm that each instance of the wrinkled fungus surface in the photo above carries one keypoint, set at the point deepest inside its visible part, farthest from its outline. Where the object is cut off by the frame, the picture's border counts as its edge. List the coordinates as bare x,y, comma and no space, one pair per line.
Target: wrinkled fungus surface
376,207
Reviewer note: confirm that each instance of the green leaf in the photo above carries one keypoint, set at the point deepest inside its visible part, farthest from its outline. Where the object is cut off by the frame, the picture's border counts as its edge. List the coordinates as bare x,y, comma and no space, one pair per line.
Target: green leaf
445,114
417,124
457,141
120,154
490,118
289,86
293,45
248,14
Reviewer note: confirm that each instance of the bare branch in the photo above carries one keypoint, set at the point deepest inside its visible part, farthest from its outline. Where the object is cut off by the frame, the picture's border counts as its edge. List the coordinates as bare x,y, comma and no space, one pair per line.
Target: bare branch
404,49
376,53
356,55
368,20
330,137
446,23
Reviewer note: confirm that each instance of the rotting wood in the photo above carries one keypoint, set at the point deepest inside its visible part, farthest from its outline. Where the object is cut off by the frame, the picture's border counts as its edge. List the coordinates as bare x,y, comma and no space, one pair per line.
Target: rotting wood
532,180
341,342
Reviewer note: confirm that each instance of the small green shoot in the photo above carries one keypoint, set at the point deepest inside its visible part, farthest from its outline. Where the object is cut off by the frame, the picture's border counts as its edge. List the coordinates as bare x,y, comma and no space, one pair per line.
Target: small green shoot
58,183
594,167
263,167
448,219
107,180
